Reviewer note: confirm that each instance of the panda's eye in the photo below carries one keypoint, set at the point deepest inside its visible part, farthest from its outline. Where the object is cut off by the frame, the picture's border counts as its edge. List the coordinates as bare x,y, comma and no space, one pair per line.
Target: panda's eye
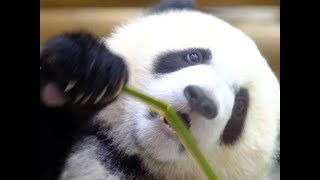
194,58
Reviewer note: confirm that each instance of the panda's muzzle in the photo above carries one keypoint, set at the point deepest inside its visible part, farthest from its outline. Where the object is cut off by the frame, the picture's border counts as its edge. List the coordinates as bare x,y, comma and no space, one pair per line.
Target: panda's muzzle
200,102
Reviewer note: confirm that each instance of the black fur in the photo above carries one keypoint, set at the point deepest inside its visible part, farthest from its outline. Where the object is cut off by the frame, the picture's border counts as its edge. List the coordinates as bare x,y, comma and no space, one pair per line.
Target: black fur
173,61
131,166
235,125
66,58
166,5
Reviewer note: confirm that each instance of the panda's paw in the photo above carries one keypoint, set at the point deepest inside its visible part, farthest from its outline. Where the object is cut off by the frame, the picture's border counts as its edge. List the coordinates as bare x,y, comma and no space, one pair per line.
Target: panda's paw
78,69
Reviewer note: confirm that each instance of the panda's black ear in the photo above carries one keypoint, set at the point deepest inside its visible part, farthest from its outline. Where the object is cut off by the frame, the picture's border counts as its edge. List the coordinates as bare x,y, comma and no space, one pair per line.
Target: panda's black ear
165,5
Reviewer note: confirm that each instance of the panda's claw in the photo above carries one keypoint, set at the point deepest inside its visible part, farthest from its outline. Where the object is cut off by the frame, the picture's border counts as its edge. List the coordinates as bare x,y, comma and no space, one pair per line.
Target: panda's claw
119,88
101,95
78,98
85,100
70,85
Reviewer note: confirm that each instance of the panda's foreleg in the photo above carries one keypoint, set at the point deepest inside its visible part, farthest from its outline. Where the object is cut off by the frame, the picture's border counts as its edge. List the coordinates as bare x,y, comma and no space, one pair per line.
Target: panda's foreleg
78,76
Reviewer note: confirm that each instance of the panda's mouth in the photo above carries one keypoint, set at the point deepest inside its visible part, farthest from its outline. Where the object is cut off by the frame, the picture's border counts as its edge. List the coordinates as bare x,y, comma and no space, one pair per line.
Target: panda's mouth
184,116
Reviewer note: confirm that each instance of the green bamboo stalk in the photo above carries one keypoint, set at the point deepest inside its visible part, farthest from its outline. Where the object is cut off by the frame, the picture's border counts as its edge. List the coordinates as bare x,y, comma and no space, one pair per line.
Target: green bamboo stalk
180,128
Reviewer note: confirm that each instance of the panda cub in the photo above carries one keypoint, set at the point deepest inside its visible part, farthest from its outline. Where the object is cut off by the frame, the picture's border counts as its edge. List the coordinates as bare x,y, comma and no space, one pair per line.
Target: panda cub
211,72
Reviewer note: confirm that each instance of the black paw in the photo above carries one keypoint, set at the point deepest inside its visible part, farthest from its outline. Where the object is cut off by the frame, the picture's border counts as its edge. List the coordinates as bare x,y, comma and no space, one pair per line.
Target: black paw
82,67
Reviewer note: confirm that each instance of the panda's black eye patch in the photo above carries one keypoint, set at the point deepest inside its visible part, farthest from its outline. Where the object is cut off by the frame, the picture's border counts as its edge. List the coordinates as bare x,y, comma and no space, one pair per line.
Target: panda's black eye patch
171,61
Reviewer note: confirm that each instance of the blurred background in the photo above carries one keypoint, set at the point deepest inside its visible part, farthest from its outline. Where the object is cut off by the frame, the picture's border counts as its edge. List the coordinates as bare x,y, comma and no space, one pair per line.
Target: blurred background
260,19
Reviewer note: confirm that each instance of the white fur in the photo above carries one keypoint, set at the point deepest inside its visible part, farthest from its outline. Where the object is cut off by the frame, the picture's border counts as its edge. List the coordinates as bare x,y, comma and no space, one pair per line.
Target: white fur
236,62
85,163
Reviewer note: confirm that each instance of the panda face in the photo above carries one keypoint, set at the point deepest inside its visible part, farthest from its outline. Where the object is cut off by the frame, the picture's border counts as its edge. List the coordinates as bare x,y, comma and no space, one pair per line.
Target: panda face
214,76
181,88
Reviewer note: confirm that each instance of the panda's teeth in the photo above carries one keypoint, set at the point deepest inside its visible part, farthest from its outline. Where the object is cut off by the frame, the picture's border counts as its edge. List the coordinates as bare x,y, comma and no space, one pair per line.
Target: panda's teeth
161,118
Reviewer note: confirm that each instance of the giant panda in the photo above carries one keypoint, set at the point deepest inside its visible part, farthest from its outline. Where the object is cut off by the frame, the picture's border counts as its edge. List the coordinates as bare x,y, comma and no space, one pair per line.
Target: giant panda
211,72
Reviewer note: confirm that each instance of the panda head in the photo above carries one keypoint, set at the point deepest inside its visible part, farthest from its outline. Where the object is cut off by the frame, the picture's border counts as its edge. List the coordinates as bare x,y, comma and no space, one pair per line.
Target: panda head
215,77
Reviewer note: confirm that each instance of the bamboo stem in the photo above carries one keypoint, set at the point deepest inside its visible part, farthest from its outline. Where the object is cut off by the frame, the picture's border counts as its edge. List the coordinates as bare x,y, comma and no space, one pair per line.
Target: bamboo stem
180,128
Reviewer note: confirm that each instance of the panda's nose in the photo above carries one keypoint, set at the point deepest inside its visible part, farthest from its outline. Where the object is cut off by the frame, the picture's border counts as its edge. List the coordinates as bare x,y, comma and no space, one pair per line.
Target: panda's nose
200,102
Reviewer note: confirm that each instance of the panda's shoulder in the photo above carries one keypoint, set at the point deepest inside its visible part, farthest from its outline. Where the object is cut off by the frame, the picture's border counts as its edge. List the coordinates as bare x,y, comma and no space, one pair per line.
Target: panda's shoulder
87,161
94,156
